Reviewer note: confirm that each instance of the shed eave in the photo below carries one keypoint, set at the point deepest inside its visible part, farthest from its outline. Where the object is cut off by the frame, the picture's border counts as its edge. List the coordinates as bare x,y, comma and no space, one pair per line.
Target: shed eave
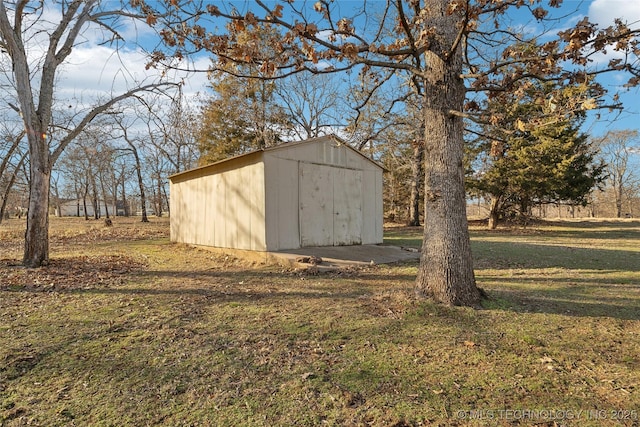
336,138
212,165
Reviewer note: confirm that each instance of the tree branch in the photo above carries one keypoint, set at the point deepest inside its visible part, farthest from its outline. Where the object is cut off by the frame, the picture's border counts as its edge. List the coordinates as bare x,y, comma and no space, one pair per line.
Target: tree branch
98,110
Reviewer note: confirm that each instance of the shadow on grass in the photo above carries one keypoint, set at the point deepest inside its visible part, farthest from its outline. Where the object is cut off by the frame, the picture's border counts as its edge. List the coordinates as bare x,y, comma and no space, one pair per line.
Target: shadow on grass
574,297
566,301
507,255
581,226
577,231
589,282
243,285
588,286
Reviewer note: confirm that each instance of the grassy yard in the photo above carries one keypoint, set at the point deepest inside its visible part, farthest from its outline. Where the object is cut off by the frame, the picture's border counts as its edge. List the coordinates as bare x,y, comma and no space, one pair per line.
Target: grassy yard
124,328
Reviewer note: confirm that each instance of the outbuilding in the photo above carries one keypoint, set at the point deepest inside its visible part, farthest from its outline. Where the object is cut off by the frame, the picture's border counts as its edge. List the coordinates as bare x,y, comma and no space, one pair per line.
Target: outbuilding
317,192
76,207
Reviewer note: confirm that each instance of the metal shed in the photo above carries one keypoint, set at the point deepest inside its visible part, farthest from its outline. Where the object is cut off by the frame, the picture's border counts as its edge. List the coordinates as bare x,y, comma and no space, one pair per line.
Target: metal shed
318,192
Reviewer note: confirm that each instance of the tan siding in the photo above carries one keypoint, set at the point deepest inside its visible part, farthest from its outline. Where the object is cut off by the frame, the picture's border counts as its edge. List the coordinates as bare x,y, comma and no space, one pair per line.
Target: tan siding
240,208
323,152
223,209
372,208
281,203
257,207
271,202
196,204
240,213
218,219
379,208
347,206
331,205
206,238
229,216
316,204
368,208
244,200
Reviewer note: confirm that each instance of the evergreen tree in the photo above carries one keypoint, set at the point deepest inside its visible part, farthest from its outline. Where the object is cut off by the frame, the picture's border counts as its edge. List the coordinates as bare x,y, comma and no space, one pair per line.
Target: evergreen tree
518,165
243,114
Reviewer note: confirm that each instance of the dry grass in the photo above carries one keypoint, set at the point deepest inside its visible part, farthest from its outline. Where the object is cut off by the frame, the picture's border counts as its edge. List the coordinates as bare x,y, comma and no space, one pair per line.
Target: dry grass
127,329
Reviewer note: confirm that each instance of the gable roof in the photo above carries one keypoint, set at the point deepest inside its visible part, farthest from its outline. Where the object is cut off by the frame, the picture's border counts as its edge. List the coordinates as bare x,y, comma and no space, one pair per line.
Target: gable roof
339,141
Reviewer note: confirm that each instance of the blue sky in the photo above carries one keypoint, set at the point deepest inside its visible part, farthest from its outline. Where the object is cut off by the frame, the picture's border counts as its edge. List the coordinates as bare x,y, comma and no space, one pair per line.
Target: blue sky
603,12
93,69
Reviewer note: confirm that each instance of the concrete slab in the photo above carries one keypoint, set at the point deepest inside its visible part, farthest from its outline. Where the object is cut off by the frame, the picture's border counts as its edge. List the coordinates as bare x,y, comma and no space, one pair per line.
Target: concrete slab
343,256
333,257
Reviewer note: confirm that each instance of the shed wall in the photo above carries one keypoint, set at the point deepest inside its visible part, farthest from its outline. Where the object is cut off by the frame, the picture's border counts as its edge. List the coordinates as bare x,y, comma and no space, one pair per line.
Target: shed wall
372,209
284,193
221,207
281,203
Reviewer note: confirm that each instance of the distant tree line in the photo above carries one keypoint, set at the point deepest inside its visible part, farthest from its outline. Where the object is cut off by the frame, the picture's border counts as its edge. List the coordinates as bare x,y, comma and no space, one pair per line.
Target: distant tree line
514,174
116,166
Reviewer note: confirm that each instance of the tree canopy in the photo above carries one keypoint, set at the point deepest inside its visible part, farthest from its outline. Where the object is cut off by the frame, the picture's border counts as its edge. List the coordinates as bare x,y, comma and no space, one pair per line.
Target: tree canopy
241,116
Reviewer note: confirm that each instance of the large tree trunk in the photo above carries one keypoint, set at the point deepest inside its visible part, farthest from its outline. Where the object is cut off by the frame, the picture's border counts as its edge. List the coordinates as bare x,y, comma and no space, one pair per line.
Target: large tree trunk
446,267
618,193
417,171
36,245
494,213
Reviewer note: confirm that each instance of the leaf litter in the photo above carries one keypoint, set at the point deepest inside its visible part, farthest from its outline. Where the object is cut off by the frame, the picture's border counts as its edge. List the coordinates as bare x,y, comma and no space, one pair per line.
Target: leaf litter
82,272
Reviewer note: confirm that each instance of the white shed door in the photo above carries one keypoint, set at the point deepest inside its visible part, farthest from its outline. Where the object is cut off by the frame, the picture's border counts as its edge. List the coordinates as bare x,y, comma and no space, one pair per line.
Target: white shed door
347,207
330,205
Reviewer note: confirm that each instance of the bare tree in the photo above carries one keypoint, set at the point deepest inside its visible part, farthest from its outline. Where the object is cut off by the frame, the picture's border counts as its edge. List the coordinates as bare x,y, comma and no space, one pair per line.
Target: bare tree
126,125
86,163
389,123
158,167
12,157
160,142
617,149
73,166
315,105
123,172
23,23
171,129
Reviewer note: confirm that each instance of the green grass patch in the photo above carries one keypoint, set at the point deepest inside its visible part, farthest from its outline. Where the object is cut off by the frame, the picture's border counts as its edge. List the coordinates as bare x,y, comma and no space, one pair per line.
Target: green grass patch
127,329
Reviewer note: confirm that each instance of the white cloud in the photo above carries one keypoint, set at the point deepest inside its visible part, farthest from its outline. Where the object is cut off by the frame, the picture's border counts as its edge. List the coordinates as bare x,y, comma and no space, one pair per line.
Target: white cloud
101,70
95,70
603,12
